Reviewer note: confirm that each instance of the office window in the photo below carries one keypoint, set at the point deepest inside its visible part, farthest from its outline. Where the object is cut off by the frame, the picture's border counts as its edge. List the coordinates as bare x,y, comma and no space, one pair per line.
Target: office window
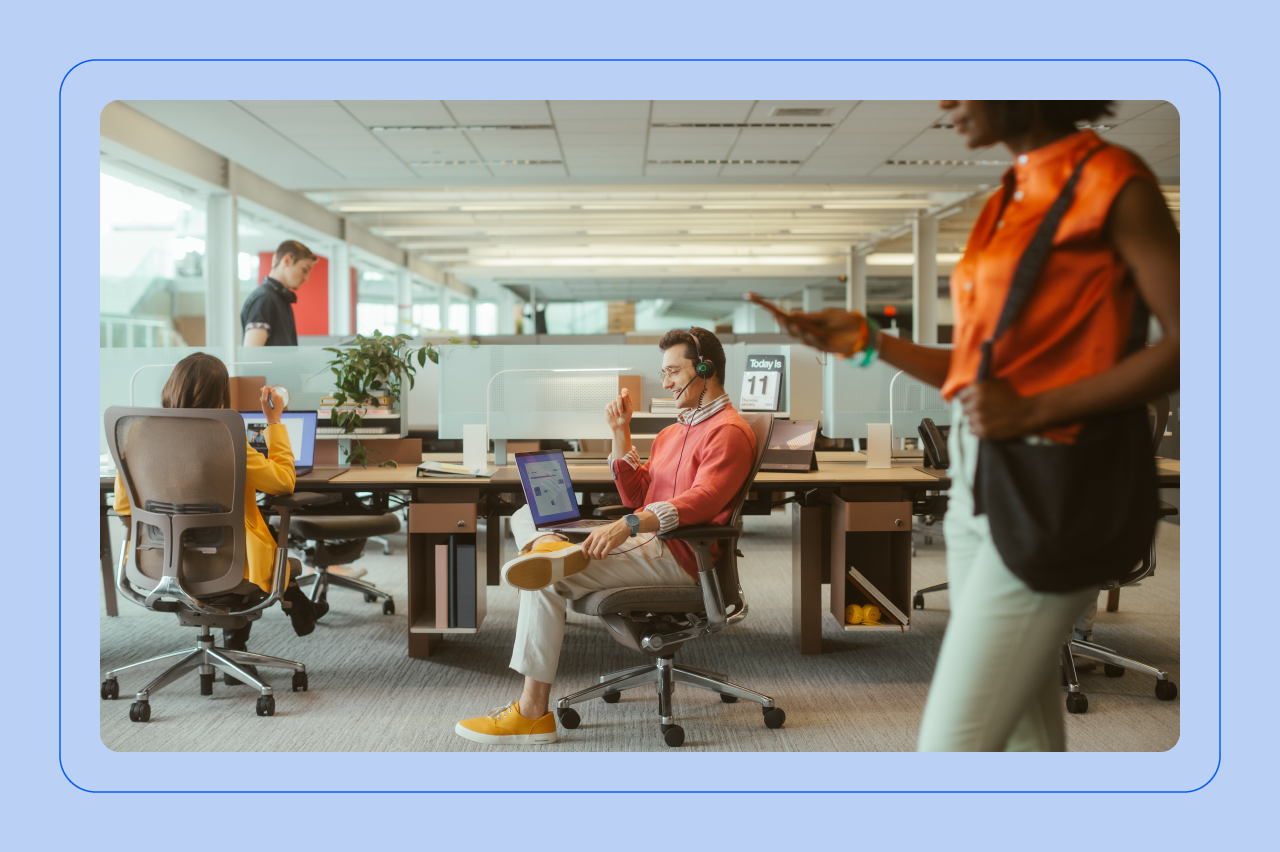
426,317
375,303
151,265
577,317
460,318
486,318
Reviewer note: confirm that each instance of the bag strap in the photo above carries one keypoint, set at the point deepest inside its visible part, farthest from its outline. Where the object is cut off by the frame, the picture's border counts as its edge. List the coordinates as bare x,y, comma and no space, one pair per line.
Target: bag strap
1032,262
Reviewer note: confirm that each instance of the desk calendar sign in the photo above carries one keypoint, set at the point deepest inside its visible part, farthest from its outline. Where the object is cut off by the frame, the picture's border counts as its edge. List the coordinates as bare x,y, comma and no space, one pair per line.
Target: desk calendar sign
762,383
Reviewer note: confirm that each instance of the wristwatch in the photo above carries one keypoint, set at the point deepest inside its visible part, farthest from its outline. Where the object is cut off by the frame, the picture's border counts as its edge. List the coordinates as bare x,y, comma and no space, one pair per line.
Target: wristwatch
633,521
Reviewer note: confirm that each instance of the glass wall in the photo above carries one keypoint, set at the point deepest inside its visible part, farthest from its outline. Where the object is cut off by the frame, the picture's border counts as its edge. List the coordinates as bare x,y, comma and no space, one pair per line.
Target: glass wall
375,302
577,317
486,318
460,318
151,264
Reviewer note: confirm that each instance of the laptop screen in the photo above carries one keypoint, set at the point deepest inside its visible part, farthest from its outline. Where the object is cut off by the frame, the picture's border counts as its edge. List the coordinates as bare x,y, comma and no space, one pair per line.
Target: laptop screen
547,487
793,435
301,426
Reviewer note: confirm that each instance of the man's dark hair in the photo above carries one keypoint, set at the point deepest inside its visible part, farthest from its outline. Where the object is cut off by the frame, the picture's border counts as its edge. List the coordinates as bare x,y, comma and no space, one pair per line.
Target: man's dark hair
293,249
198,381
1016,117
711,348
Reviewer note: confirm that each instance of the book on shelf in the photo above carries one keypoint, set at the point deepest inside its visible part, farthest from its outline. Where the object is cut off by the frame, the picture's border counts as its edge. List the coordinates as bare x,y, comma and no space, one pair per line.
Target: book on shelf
362,410
375,398
662,405
442,585
445,470
874,595
464,589
453,581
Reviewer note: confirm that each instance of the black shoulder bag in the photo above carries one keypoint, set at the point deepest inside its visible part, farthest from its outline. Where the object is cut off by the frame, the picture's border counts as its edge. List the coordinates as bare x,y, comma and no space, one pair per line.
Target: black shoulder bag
1068,516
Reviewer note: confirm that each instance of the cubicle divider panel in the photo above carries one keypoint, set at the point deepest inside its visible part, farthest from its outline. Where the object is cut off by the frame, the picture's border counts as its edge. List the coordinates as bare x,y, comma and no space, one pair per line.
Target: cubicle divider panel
853,397
146,370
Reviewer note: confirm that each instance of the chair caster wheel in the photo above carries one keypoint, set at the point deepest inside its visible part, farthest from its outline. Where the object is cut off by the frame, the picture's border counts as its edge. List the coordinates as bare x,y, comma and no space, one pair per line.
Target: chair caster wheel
673,735
1077,702
728,699
110,689
368,598
611,697
266,705
389,607
774,717
1112,671
206,684
299,681
569,718
917,602
140,711
1166,690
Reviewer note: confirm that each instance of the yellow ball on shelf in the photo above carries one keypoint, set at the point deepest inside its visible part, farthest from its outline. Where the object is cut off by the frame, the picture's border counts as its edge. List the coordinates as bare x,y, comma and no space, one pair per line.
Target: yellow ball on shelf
870,614
853,614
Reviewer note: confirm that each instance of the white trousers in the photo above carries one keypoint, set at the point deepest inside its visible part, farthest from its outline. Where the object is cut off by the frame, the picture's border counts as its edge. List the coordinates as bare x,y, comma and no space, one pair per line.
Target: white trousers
641,561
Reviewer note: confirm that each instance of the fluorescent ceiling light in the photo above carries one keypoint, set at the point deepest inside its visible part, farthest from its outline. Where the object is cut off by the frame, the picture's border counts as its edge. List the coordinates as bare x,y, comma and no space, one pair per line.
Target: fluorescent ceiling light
908,259
657,261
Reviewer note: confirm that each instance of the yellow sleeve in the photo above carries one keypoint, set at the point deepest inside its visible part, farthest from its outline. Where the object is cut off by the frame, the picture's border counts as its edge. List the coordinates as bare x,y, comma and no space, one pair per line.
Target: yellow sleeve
121,503
273,474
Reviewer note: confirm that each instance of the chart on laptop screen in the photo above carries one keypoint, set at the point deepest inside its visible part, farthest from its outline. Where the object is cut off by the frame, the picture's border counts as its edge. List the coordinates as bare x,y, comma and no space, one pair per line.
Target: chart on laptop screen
550,492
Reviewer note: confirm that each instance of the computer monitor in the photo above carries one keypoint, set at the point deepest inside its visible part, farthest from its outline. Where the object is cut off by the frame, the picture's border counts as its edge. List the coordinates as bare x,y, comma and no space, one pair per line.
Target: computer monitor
301,426
856,396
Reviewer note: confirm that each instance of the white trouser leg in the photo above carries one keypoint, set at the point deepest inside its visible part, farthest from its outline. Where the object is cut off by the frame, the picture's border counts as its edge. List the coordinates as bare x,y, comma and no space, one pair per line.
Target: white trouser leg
523,529
540,624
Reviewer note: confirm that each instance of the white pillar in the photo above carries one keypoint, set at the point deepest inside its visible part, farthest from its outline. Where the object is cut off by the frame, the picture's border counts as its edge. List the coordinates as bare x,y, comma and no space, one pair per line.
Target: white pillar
471,316
222,274
340,290
404,302
924,280
506,312
446,301
812,300
855,288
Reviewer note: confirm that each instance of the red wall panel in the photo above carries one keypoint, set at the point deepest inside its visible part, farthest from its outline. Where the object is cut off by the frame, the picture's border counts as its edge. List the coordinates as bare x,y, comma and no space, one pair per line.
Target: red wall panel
311,312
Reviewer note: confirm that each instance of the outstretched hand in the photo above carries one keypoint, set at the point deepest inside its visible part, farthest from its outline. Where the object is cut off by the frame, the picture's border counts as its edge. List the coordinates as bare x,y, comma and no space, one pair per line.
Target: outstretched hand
617,414
830,330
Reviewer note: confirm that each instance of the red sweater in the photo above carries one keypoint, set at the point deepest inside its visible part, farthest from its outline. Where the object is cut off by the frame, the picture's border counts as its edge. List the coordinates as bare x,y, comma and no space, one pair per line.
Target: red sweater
718,455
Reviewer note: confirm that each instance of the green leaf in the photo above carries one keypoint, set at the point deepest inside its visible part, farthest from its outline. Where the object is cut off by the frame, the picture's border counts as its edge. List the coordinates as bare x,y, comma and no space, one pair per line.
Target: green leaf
434,355
474,343
422,357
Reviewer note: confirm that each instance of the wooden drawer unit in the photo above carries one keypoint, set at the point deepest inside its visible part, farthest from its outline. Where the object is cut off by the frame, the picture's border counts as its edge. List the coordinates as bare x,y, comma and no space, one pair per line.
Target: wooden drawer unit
442,517
874,517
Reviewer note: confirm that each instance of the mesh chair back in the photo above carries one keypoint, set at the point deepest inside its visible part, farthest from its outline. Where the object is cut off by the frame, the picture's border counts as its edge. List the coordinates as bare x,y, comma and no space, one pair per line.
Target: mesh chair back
183,470
761,426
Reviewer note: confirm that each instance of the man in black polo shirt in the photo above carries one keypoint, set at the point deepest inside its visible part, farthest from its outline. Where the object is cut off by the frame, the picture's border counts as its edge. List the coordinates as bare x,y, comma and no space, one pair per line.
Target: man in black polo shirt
267,315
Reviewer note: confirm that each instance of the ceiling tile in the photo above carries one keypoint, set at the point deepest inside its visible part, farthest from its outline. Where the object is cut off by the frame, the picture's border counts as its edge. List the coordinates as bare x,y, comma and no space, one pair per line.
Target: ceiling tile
700,111
596,110
398,113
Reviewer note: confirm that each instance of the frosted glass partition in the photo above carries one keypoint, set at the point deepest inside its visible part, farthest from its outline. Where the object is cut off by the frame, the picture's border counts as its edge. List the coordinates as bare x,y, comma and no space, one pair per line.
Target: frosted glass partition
854,396
301,369
558,405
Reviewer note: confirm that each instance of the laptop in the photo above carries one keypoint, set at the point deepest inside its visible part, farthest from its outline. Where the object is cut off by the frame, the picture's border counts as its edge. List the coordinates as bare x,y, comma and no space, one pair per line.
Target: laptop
301,426
791,446
544,474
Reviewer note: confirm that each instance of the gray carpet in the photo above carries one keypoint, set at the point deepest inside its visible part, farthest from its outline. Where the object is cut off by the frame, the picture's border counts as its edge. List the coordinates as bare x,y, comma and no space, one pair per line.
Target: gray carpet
864,693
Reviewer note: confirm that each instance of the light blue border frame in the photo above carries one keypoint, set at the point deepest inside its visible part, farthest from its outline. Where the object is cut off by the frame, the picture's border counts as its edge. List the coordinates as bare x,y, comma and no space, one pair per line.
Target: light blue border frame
777,63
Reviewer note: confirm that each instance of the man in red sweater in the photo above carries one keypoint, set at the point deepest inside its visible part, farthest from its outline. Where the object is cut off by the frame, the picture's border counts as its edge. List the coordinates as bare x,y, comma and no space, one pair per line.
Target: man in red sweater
695,470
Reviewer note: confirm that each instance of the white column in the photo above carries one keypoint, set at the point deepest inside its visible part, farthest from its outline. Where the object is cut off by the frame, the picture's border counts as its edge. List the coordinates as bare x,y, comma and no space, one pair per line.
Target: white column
340,290
221,295
446,301
812,300
404,302
506,312
924,280
471,316
855,288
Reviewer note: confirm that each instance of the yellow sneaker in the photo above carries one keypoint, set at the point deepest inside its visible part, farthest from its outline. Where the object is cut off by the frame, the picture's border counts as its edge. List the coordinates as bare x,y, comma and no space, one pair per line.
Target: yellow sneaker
547,563
505,726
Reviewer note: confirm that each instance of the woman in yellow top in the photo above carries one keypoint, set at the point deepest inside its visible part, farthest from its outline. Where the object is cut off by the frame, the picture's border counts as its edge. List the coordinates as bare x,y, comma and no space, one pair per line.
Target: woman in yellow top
200,381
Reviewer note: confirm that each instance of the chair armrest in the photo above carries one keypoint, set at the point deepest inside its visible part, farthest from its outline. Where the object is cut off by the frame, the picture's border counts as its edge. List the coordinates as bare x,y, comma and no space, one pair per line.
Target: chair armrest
303,499
700,531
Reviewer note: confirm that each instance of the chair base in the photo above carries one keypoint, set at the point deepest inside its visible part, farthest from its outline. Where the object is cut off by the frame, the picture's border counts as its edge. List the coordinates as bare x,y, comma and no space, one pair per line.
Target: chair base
917,597
208,659
666,674
1114,665
321,580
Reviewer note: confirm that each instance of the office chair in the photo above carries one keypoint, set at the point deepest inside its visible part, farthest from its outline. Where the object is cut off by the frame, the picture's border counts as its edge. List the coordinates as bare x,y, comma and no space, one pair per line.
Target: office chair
1113,663
326,540
931,508
184,473
658,620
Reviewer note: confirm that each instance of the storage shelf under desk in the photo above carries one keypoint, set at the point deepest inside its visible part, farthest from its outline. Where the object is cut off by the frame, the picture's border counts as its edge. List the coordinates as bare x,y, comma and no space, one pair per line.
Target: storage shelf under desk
427,624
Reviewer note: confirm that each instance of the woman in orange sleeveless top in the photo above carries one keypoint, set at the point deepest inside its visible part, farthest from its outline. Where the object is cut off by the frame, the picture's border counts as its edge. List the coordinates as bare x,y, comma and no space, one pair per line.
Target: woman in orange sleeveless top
1063,360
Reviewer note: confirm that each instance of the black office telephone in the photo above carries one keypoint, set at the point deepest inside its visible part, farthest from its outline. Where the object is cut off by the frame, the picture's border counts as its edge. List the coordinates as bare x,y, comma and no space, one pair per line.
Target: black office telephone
934,445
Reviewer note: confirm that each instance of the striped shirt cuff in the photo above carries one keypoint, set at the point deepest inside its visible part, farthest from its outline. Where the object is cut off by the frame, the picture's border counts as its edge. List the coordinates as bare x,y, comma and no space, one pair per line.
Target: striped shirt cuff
668,517
632,458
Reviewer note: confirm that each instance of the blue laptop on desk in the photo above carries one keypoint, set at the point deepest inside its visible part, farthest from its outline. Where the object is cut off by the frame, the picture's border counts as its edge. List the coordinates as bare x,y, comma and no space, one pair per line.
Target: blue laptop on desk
301,426
544,475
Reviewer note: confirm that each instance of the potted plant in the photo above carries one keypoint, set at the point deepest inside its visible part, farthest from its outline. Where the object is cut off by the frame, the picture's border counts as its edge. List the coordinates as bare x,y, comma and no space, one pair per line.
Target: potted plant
371,372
